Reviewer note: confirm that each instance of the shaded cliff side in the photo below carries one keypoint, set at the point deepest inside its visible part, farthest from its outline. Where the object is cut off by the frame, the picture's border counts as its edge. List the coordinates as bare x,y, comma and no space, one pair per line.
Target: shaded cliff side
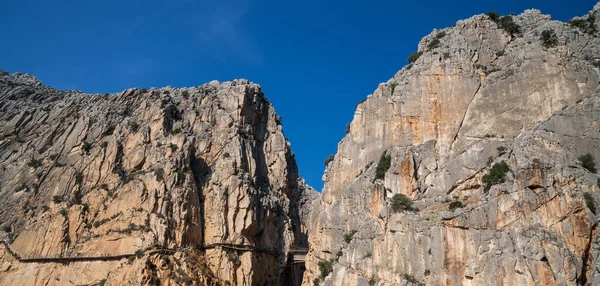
483,133
197,185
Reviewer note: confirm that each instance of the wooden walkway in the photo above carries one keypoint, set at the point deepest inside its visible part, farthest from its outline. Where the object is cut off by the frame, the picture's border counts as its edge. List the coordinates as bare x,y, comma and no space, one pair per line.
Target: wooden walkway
297,253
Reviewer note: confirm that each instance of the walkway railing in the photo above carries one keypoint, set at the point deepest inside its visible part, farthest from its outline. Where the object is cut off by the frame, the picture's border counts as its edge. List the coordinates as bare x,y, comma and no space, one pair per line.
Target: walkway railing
156,249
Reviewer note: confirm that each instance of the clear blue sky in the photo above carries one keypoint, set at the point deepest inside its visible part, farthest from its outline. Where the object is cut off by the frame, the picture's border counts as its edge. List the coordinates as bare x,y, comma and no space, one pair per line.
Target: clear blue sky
314,59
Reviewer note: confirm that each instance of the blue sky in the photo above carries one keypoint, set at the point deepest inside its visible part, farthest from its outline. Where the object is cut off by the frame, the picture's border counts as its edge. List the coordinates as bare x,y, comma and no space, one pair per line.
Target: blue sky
314,59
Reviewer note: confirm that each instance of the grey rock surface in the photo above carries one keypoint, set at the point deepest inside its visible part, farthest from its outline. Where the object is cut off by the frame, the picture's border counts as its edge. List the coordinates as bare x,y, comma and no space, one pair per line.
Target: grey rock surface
177,168
478,97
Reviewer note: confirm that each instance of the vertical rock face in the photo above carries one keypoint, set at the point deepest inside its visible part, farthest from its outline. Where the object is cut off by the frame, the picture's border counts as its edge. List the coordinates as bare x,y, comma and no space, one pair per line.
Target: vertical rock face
477,96
191,185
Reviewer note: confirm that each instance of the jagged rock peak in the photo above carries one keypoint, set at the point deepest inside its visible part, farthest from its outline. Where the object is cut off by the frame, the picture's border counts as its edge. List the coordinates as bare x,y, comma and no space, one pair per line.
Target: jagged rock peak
467,167
166,186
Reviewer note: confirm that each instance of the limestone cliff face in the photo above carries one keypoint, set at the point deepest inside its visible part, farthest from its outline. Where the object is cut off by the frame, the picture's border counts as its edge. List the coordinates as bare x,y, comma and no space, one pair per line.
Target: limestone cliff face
478,95
172,175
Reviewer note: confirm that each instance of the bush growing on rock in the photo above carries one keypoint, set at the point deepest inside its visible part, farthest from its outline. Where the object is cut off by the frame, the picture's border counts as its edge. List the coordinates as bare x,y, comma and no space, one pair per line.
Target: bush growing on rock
328,160
401,203
501,150
325,267
57,199
494,16
133,126
589,201
587,25
436,40
86,147
507,24
34,163
549,38
383,165
433,44
348,236
454,205
587,161
414,57
497,175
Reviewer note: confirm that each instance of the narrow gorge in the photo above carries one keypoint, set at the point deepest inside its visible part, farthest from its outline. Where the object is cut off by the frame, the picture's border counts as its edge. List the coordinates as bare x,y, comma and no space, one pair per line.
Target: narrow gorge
473,165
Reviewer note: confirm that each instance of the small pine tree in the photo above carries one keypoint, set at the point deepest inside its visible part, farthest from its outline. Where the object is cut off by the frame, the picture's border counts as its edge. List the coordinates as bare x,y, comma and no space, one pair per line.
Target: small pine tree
383,165
587,161
414,57
401,203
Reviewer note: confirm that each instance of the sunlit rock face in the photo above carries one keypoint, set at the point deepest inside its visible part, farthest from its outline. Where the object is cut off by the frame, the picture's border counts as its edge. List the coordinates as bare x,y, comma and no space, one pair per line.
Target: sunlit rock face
476,97
184,169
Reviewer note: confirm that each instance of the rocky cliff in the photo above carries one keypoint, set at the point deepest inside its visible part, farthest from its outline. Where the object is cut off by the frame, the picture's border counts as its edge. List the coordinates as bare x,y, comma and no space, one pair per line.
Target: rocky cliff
169,186
471,166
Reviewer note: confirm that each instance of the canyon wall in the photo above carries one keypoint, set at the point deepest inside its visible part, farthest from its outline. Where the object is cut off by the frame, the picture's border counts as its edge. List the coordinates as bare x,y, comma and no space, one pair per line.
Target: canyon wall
517,94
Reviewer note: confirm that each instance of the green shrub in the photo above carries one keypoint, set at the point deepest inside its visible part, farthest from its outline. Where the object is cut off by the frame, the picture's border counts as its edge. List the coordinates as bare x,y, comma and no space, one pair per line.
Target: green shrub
494,16
587,161
57,199
173,147
454,205
597,64
507,24
325,267
414,57
176,131
501,150
588,25
185,94
78,177
133,126
497,175
401,203
316,281
338,255
144,90
549,38
139,253
86,147
6,228
589,201
34,163
226,155
329,159
103,145
347,130
393,86
578,23
433,44
348,236
384,164
109,130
